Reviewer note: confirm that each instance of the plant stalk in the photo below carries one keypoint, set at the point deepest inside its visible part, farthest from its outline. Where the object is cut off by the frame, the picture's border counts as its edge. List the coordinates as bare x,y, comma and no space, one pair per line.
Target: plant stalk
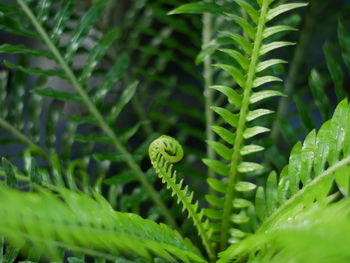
236,156
208,94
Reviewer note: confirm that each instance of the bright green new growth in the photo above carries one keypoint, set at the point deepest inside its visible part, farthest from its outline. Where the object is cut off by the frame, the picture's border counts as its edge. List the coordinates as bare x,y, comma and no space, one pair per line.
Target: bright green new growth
163,152
83,224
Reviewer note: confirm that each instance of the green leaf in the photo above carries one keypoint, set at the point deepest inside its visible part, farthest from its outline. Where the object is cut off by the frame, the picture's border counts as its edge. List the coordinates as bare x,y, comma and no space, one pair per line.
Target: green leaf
58,95
240,218
217,185
198,8
252,115
96,54
113,75
247,167
229,117
124,99
245,186
37,71
234,72
221,149
294,169
273,46
271,193
253,14
249,149
307,157
269,63
251,132
344,40
266,79
241,203
241,59
260,203
248,29
21,49
272,30
241,41
34,173
336,72
342,178
82,29
261,95
212,213
282,9
233,97
206,52
60,20
10,173
317,86
225,134
214,200
217,167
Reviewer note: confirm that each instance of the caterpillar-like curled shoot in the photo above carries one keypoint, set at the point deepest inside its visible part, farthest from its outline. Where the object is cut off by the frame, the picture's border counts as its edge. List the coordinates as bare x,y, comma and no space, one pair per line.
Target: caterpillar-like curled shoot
164,152
168,148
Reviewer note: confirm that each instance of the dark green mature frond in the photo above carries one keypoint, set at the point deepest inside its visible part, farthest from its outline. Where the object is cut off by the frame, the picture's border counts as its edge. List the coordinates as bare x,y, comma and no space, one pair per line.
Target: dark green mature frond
314,167
163,152
91,99
78,222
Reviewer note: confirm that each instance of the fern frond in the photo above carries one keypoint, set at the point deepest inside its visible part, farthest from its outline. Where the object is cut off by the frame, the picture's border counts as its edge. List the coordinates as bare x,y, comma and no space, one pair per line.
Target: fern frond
63,55
248,73
163,152
316,165
250,77
78,222
294,237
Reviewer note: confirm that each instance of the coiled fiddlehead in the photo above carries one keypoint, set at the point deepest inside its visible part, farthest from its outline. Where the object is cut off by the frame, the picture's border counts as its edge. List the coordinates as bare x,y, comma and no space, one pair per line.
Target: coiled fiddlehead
163,152
166,146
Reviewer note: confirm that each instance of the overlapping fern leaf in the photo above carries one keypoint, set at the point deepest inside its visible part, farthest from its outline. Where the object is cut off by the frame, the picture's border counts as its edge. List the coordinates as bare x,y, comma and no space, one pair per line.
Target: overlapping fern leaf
315,168
248,71
81,223
294,239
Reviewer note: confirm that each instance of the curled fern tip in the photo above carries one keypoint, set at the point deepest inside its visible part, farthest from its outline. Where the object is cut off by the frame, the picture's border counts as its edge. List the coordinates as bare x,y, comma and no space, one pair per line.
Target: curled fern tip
167,147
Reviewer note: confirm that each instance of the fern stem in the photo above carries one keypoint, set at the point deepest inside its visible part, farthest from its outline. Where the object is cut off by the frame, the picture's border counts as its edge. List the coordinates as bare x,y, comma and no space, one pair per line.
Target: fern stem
91,107
289,204
233,174
208,94
191,209
7,126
